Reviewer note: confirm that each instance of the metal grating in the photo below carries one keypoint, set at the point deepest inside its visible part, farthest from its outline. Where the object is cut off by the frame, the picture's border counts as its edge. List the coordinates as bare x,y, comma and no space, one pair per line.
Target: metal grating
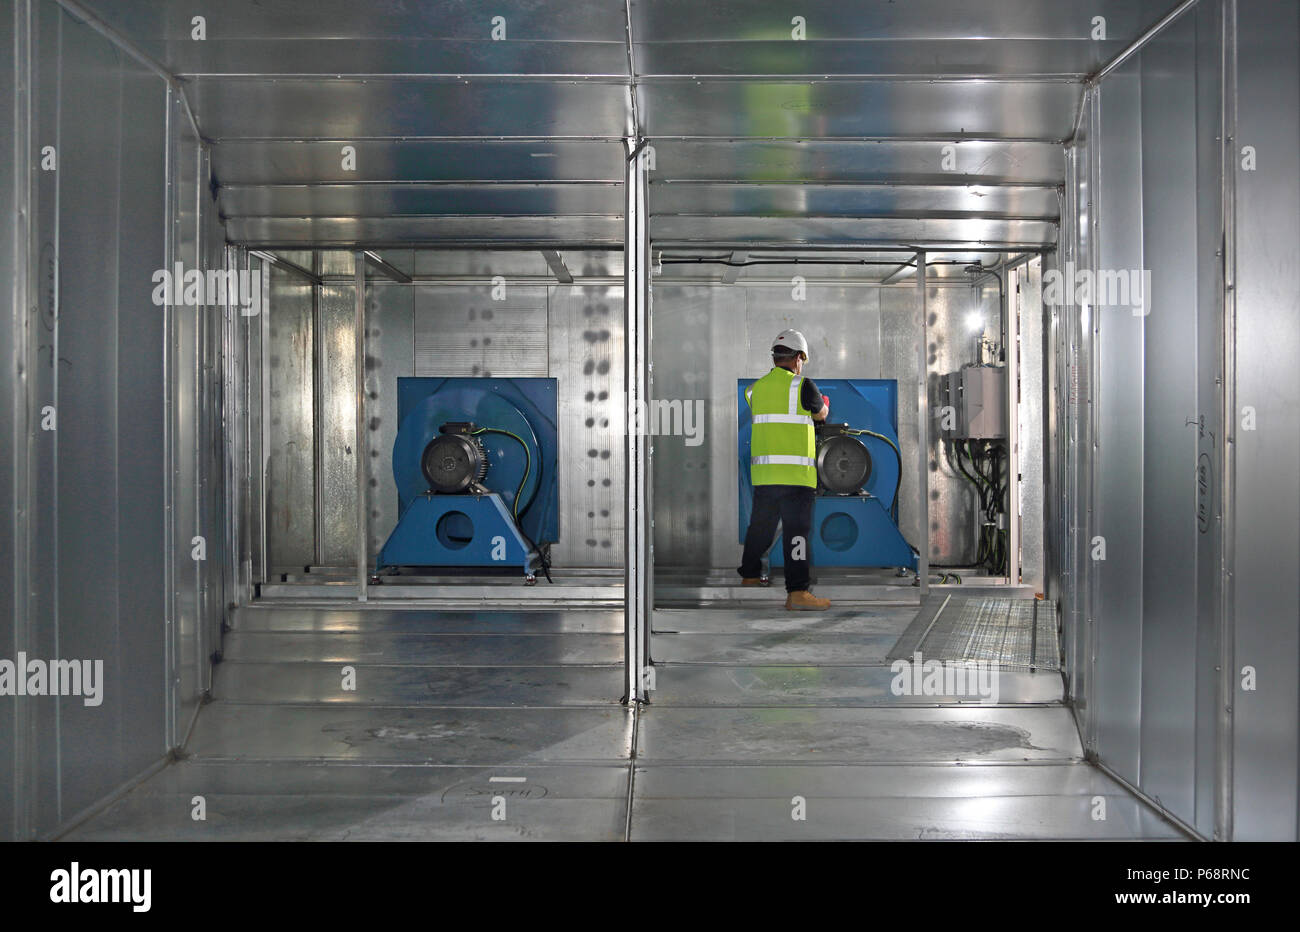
1012,633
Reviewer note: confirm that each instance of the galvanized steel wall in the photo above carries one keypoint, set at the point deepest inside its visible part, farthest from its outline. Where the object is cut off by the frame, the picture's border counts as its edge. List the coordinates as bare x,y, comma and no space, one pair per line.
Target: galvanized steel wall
113,409
444,323
1177,494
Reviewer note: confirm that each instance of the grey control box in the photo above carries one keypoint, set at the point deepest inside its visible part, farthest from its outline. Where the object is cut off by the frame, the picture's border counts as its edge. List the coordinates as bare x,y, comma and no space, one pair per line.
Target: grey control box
975,403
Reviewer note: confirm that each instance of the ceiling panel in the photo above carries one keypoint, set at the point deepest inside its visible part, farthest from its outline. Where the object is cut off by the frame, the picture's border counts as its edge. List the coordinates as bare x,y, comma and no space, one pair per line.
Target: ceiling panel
770,109
350,108
880,161
156,21
397,56
735,20
418,160
1012,58
954,232
501,200
840,200
843,138
552,232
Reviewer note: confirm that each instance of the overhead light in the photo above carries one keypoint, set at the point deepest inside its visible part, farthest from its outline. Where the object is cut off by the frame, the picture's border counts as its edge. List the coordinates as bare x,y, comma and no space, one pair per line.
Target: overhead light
975,322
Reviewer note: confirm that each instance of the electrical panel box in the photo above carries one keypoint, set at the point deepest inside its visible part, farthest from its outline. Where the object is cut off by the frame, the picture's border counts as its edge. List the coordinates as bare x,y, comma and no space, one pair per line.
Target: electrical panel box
978,398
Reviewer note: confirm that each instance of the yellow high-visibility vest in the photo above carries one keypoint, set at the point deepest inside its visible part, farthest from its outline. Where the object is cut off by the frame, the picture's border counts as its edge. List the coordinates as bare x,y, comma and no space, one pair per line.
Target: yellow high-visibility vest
782,444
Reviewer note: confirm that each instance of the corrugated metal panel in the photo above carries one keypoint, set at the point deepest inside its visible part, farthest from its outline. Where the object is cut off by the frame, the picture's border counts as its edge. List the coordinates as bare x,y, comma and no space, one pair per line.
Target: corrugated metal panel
291,468
335,433
463,331
11,607
586,359
1210,456
1118,410
390,354
1170,443
1266,522
1033,436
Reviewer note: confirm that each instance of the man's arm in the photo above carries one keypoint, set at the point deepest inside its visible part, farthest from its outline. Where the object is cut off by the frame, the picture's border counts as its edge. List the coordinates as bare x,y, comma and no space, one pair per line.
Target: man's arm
811,397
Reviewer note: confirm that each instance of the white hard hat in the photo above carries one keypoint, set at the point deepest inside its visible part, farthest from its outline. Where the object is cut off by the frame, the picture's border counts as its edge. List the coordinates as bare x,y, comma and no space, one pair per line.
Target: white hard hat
793,339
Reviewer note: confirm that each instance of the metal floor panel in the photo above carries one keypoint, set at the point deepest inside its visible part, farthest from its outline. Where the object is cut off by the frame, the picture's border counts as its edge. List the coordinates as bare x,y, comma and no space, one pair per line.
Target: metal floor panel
864,781
470,594
383,684
796,646
425,735
414,621
756,706
424,649
290,801
857,735
888,819
790,684
771,617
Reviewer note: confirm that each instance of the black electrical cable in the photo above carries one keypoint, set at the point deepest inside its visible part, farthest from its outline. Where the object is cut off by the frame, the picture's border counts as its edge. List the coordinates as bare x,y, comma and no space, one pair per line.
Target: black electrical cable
898,456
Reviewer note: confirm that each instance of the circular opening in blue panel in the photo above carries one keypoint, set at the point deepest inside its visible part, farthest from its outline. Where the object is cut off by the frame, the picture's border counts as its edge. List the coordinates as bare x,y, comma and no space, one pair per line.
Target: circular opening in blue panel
454,530
839,532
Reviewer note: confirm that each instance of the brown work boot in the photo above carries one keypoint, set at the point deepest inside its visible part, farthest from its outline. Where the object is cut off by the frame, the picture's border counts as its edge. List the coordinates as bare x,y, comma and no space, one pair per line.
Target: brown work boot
756,581
804,601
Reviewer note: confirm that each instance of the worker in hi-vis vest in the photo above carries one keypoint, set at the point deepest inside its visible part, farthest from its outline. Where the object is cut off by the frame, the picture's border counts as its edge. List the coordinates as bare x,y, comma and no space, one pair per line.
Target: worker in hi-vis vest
783,406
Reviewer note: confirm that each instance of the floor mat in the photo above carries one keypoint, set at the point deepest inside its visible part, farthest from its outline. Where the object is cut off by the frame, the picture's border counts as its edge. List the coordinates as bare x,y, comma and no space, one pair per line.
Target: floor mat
1014,633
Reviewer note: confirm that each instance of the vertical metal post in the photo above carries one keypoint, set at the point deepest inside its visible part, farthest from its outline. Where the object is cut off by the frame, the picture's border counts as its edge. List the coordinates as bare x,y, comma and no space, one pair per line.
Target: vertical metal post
1090,339
318,350
199,476
1227,682
1011,308
171,669
264,421
923,431
636,574
359,445
24,713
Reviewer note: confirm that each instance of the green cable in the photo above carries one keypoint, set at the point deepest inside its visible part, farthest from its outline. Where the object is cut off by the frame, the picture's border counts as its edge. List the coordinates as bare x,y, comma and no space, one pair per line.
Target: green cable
528,463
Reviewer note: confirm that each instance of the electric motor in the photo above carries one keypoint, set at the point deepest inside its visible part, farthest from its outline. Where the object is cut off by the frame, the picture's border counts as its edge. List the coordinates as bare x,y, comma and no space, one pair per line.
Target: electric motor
454,461
843,462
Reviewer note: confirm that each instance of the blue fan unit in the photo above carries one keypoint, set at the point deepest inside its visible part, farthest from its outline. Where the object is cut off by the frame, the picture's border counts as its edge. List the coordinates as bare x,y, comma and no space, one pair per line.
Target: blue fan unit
503,442
855,528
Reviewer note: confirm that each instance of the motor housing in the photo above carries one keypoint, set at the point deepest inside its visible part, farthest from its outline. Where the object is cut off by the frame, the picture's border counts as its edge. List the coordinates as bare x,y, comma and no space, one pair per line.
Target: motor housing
454,461
843,461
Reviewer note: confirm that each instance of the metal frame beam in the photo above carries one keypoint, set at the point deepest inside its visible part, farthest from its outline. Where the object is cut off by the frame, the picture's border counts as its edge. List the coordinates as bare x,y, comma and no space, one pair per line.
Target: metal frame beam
556,262
638,584
359,431
736,262
923,431
384,267
285,265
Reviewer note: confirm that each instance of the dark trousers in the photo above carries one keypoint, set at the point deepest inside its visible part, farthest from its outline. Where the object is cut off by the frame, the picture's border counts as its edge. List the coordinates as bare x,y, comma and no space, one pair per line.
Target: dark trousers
792,506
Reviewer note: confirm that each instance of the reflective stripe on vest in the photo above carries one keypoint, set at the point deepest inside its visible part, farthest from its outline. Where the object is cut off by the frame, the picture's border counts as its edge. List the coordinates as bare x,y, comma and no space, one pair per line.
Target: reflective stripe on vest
782,441
781,419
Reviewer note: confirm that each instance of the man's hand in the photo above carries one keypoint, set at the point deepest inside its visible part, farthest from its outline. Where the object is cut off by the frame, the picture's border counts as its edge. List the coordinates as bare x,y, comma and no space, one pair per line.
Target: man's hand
826,409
